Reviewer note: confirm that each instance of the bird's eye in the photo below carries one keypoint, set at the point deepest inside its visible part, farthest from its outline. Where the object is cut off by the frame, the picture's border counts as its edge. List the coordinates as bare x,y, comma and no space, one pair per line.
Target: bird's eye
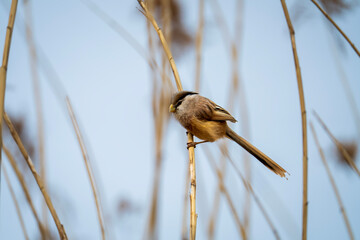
178,103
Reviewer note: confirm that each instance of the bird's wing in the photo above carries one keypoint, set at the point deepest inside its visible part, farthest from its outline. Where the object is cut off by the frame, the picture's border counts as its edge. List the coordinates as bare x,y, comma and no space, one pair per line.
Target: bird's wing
213,112
220,114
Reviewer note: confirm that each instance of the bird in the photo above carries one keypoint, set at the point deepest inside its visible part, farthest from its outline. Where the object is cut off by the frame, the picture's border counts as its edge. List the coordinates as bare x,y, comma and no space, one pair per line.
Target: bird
208,121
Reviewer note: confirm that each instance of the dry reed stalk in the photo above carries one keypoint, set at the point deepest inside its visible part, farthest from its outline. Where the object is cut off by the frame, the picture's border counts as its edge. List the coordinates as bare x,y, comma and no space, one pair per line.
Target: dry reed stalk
184,229
227,195
161,121
198,45
193,215
38,179
4,65
340,147
58,87
303,121
333,184
151,230
161,117
164,43
25,189
220,20
336,26
38,102
250,190
215,208
244,110
237,86
88,167
13,196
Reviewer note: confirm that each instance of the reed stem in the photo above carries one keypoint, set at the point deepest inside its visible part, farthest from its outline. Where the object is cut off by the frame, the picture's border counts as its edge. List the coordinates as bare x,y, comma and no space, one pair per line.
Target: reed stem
303,122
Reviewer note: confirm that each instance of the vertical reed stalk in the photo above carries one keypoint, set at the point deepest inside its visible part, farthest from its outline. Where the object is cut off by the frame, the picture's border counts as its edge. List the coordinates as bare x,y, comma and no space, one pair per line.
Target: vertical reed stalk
38,179
216,205
238,83
38,102
151,229
333,184
25,189
193,215
303,121
184,229
237,87
336,26
4,65
13,196
198,45
88,167
160,115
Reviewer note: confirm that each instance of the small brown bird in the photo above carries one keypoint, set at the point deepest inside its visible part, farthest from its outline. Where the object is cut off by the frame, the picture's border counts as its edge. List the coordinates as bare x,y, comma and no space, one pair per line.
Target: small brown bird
207,121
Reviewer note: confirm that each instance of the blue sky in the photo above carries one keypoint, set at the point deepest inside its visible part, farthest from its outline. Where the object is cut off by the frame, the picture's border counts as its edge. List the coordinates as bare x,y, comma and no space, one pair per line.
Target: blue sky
109,85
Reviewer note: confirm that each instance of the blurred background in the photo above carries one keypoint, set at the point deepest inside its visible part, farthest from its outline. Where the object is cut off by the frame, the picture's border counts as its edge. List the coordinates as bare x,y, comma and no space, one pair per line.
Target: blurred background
106,59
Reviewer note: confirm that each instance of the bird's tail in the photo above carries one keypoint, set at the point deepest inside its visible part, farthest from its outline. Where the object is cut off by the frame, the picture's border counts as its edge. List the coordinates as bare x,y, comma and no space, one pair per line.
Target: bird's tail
268,162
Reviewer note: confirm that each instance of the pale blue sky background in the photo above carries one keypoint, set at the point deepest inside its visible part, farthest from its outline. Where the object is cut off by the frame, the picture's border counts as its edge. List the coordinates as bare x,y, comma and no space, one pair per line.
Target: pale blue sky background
110,87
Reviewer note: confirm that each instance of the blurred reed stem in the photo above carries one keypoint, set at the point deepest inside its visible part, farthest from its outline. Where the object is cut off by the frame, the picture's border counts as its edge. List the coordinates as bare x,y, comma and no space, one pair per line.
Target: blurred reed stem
160,115
224,190
4,66
250,190
184,229
193,215
151,229
339,146
333,184
17,207
216,205
38,179
345,83
238,84
336,26
198,45
25,189
38,102
236,89
303,121
88,167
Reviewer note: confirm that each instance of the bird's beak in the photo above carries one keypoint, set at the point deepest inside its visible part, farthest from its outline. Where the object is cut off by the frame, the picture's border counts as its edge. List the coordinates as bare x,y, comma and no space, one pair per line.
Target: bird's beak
171,108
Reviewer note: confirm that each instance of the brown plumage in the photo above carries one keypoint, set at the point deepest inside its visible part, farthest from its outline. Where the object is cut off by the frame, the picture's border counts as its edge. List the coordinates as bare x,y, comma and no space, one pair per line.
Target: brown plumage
207,121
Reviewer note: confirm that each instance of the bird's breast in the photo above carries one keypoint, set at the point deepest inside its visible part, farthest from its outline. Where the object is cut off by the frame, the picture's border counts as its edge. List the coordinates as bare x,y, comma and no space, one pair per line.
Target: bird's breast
207,130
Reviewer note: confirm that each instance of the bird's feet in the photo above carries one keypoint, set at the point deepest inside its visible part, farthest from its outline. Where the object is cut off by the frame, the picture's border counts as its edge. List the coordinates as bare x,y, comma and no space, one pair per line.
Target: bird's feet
191,144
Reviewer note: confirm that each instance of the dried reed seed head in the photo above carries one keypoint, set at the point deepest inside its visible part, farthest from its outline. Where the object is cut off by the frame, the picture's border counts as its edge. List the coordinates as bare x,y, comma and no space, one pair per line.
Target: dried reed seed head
332,7
180,37
351,148
24,134
336,7
126,206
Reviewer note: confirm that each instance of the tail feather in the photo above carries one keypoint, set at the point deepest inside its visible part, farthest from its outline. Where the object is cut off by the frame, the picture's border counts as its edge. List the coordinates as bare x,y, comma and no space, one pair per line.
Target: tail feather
268,162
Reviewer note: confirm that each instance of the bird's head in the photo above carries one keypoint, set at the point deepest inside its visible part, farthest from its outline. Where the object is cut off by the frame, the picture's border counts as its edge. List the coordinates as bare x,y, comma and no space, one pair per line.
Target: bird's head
178,98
